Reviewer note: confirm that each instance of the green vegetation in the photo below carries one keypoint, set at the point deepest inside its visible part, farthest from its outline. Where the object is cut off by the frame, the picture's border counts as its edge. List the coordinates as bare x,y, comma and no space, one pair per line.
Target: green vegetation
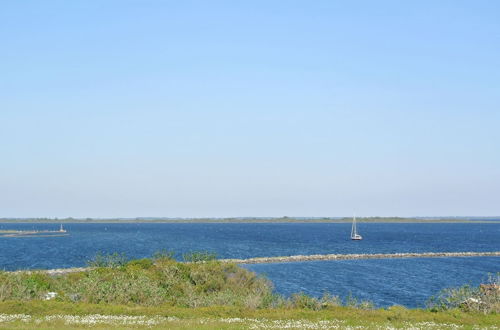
56,314
199,256
147,282
483,299
205,293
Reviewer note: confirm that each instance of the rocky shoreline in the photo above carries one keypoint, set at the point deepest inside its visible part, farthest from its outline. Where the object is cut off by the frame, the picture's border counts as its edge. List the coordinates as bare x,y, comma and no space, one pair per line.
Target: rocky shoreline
318,257
313,257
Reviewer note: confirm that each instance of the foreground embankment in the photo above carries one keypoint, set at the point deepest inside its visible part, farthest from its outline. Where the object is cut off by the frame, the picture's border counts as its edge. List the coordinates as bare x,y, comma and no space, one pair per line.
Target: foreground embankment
317,257
62,315
205,293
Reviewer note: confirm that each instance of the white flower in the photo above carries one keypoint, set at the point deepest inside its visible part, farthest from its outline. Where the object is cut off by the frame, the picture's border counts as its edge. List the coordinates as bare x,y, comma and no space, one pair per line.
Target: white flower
50,295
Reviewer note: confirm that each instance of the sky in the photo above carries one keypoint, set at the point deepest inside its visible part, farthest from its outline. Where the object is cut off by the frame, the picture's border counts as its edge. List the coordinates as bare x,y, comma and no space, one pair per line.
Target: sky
249,108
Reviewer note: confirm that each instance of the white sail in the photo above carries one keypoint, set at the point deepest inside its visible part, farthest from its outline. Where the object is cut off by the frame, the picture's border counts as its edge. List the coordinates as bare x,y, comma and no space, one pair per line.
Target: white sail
353,227
354,232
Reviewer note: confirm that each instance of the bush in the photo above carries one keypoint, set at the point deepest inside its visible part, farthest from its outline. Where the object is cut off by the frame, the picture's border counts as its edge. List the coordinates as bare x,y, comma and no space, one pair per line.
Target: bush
24,286
199,256
360,304
484,299
108,260
163,255
140,263
114,280
301,300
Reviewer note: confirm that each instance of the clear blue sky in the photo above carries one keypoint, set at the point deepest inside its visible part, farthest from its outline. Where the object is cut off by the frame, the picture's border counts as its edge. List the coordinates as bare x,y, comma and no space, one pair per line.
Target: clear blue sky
249,108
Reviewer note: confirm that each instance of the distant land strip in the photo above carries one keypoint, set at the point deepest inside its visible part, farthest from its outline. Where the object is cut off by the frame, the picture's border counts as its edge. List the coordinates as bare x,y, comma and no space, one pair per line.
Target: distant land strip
284,219
319,257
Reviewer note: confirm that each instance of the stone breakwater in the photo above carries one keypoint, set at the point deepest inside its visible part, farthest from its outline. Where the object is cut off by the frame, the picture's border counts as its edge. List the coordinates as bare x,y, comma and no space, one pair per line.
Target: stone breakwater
318,257
313,257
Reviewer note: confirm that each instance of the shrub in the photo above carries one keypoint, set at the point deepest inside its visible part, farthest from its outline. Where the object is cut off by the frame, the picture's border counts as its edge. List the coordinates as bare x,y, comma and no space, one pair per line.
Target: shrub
484,299
330,301
199,256
114,280
360,304
140,263
24,286
108,260
301,300
163,255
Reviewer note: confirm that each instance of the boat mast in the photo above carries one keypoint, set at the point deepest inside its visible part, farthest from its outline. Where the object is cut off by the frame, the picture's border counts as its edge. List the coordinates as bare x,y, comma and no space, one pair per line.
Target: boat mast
353,228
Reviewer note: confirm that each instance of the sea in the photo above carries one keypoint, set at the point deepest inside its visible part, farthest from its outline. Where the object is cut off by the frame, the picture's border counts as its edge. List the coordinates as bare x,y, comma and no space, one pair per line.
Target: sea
385,282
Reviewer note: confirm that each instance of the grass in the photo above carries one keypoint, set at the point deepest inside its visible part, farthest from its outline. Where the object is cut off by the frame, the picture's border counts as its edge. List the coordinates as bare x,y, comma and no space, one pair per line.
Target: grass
224,316
205,293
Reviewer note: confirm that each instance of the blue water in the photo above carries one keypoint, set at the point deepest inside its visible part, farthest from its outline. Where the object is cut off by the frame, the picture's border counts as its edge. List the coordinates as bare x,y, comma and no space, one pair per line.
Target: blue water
386,282
397,281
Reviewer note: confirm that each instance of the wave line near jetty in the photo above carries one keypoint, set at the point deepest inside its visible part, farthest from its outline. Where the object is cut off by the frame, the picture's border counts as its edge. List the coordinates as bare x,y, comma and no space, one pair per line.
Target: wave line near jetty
320,257
299,258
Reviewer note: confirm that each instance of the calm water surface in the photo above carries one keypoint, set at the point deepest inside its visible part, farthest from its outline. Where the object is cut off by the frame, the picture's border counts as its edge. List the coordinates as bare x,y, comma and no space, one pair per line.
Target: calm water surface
397,281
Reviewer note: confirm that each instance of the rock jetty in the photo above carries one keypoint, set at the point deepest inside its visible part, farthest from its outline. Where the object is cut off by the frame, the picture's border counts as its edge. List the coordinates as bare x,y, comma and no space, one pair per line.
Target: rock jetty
313,257
317,257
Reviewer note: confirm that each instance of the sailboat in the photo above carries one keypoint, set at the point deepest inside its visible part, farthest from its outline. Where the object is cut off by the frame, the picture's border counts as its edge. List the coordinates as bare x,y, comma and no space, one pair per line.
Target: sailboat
354,233
61,229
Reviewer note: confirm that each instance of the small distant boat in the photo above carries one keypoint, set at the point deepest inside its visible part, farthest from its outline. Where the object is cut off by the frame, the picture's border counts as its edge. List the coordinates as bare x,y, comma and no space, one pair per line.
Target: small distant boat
61,229
354,232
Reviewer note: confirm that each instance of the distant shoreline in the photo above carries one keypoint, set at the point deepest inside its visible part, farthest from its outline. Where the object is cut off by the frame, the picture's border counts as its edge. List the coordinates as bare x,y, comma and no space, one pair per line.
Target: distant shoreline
257,220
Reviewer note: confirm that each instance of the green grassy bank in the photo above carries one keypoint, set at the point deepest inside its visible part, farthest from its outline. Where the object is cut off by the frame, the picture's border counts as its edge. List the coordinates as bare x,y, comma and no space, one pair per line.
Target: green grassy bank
205,293
51,314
